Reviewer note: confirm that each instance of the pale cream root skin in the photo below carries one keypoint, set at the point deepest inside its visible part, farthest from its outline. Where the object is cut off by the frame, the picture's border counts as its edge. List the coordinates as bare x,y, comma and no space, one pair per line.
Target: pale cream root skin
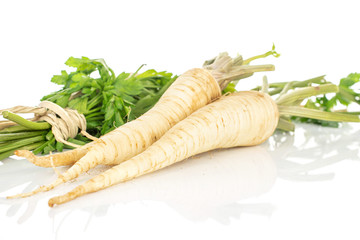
191,91
58,159
240,119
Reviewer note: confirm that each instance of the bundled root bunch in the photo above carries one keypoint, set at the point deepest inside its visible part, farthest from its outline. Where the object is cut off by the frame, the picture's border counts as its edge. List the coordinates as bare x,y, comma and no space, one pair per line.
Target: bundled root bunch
191,117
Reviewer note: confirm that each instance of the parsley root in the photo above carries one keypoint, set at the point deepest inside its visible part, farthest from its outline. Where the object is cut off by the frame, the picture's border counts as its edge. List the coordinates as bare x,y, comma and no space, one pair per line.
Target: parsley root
240,119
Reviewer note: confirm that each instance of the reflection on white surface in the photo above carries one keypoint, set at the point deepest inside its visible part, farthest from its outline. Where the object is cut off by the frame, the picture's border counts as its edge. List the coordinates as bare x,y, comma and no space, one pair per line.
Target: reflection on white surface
199,188
221,185
313,148
21,176
206,186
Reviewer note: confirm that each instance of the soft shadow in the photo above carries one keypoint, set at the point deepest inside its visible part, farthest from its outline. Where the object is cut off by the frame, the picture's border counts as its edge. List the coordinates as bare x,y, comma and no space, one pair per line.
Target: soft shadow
20,174
208,186
304,155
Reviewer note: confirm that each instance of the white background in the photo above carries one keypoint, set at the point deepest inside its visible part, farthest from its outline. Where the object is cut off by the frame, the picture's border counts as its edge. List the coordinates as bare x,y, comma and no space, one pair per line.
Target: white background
313,37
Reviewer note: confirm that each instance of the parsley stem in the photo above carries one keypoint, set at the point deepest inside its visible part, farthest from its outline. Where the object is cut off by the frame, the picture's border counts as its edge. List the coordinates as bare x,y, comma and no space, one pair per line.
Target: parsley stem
271,52
274,91
24,122
94,102
75,141
20,143
277,87
41,147
19,135
298,111
352,113
29,147
98,109
94,115
305,92
285,125
14,129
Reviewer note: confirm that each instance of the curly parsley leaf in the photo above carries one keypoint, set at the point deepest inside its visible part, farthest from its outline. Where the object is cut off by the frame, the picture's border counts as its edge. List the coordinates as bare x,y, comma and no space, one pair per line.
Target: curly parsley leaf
107,100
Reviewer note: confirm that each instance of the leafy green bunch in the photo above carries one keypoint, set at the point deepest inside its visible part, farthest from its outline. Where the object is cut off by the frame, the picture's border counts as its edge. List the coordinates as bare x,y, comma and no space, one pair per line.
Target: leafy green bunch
344,97
107,100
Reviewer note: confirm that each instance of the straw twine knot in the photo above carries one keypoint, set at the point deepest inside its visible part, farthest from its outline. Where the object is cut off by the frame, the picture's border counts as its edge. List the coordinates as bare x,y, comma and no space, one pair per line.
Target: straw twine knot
65,122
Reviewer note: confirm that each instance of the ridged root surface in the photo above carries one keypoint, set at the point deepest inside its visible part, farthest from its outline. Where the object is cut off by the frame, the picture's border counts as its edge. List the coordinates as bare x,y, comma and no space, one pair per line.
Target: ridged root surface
240,119
53,160
191,91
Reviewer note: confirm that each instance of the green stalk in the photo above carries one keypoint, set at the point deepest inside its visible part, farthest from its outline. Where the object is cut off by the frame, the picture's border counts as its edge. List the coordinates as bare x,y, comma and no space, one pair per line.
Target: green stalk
94,102
2,144
285,125
98,109
14,129
279,86
271,52
40,148
75,141
29,147
21,143
241,72
306,92
298,111
20,135
99,118
24,122
59,146
318,80
94,115
352,113
274,91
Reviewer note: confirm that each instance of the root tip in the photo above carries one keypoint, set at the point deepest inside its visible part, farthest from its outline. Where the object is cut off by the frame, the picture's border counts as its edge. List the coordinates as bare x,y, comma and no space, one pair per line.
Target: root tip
76,192
51,203
57,200
23,153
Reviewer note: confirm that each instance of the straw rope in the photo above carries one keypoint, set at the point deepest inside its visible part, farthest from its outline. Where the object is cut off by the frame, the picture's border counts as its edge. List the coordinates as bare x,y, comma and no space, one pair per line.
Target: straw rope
65,122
